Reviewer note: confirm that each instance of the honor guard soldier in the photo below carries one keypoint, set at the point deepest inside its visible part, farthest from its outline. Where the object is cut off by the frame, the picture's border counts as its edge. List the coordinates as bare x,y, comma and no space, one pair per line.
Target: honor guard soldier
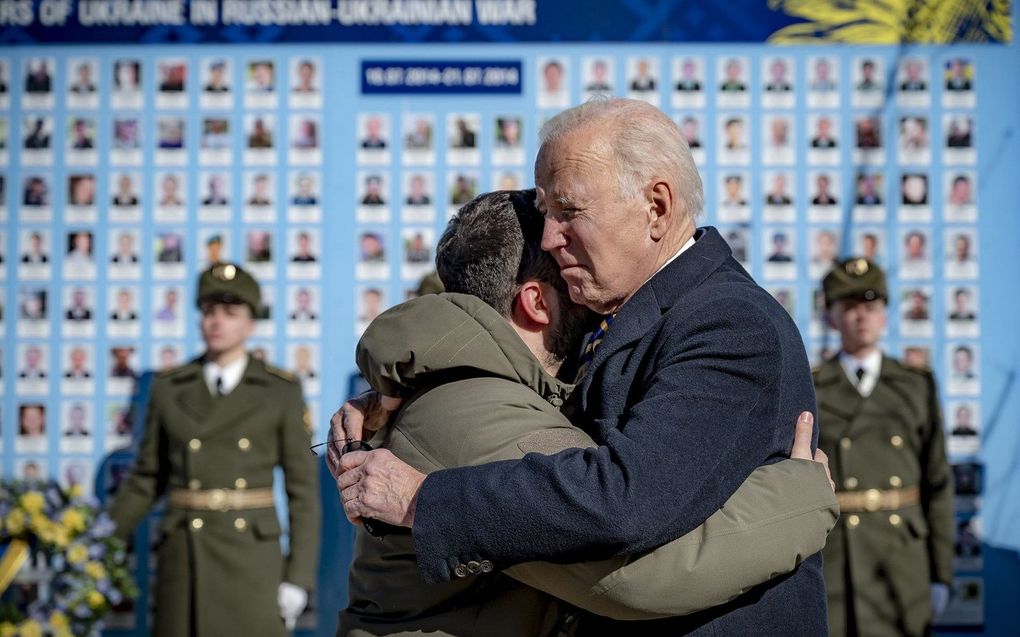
888,561
214,431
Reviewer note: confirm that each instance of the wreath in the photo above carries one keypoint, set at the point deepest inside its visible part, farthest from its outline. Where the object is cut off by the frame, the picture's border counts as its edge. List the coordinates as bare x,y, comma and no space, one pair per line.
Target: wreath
73,539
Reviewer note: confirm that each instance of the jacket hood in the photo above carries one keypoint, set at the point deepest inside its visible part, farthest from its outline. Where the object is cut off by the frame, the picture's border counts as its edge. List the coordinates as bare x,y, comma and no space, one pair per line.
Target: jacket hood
447,336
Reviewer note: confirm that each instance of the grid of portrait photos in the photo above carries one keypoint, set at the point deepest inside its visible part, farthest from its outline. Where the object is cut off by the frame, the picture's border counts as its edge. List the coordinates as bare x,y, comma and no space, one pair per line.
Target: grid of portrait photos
811,158
124,174
124,178
415,169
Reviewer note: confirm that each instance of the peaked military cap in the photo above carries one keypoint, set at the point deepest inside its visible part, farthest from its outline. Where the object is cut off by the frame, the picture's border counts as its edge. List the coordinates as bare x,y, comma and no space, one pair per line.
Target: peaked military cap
855,278
228,283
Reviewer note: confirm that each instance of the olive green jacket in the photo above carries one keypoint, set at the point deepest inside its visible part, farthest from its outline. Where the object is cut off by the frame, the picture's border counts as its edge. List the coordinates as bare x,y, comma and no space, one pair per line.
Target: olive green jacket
219,571
477,394
884,561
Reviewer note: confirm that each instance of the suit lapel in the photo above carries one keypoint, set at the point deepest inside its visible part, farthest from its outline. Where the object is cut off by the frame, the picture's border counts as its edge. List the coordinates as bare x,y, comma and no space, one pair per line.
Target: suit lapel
664,290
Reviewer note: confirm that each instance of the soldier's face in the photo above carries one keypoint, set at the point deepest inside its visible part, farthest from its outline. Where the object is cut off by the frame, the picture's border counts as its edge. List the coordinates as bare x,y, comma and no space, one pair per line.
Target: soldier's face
225,326
859,322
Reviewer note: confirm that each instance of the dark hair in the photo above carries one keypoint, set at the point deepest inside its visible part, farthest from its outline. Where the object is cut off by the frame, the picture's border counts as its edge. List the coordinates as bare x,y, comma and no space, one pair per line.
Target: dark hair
492,246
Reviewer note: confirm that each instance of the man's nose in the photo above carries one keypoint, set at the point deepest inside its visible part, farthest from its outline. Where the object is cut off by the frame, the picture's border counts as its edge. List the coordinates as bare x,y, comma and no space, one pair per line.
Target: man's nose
552,234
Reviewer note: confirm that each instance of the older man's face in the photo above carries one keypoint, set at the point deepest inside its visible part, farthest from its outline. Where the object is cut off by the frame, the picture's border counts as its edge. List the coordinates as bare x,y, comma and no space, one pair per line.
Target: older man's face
598,238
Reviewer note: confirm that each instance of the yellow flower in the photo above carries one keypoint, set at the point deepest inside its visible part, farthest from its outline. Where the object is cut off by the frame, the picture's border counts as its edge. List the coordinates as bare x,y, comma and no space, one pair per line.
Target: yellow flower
95,570
95,599
30,628
33,502
77,554
58,621
16,522
63,632
61,537
73,520
75,491
7,629
40,524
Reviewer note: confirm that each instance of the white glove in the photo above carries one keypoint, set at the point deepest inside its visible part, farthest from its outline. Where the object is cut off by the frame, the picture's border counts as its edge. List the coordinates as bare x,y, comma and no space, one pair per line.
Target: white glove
939,598
292,600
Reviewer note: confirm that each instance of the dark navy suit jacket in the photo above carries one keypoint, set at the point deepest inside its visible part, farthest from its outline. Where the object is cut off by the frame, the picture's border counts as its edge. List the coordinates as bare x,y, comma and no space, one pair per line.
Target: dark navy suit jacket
699,381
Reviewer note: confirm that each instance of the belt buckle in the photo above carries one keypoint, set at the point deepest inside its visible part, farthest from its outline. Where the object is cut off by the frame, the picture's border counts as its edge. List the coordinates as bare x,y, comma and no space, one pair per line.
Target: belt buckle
218,500
872,500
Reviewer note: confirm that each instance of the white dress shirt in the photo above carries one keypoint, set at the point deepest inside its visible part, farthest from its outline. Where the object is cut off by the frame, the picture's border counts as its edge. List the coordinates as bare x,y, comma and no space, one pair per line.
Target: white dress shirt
872,366
673,258
230,373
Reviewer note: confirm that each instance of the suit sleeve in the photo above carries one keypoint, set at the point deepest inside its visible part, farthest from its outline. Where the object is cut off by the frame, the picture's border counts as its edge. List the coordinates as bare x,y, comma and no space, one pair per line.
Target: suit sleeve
702,422
779,517
148,478
937,494
302,485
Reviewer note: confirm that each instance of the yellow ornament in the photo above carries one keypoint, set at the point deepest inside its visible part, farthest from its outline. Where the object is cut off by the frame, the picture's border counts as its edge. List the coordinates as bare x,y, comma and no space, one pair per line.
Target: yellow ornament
73,520
32,502
30,628
95,570
16,522
95,599
59,621
77,554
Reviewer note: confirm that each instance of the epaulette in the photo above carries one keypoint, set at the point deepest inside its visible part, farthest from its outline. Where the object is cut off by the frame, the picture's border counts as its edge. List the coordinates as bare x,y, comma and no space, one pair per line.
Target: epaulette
178,371
285,375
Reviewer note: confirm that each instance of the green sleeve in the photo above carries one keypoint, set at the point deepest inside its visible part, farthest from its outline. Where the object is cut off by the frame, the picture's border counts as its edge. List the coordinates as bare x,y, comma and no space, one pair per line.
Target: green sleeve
777,518
937,494
148,478
301,479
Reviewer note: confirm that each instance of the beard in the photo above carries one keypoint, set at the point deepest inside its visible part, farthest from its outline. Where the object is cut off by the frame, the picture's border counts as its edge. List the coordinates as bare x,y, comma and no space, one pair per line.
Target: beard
574,322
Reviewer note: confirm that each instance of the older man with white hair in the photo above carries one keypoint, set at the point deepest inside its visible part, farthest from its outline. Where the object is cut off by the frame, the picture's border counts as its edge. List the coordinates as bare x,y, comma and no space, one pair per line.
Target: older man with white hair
694,378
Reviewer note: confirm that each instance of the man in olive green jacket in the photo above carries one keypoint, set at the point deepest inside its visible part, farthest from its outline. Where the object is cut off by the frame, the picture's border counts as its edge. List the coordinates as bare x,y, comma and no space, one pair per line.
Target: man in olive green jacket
485,369
889,561
215,429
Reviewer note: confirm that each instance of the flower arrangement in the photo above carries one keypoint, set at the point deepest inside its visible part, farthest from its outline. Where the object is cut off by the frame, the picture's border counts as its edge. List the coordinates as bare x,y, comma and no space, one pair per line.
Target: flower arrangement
87,564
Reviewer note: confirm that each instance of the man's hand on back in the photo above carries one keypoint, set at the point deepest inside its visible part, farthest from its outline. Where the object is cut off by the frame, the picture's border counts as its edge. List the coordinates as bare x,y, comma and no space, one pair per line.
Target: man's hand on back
802,444
377,485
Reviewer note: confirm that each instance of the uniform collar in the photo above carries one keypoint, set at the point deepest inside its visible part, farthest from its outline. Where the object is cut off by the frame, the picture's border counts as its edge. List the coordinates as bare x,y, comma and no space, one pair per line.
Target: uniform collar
872,366
230,373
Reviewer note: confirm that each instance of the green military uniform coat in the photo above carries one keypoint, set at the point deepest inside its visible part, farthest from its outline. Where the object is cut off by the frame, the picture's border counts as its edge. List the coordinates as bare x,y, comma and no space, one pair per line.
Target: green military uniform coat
880,564
219,571
477,394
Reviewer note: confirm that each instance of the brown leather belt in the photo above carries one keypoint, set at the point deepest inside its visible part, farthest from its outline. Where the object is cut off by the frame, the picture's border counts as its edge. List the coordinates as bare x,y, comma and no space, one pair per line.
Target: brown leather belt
221,499
878,499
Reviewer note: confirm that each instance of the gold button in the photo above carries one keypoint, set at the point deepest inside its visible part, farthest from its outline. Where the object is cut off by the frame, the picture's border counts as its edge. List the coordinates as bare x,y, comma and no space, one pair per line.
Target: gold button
895,481
895,519
197,523
872,499
845,443
194,444
240,524
217,498
897,441
244,444
853,520
851,482
241,483
194,485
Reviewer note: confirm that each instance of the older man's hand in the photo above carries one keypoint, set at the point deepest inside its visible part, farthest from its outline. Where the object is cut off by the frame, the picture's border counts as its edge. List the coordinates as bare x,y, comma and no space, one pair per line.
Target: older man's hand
367,413
377,485
802,444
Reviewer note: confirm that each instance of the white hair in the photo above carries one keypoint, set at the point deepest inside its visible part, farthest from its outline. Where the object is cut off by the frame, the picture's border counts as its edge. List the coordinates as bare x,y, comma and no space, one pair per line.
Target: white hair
645,144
